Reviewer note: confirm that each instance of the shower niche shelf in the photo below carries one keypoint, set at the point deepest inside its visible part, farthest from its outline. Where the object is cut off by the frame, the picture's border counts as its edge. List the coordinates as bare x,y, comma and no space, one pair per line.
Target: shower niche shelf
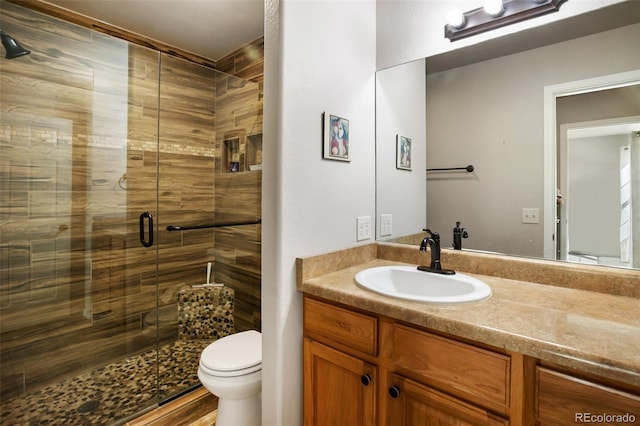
253,152
231,155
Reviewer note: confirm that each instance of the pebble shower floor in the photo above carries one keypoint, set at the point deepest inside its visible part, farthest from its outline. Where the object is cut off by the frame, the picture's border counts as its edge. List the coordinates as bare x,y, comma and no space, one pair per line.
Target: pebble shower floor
110,394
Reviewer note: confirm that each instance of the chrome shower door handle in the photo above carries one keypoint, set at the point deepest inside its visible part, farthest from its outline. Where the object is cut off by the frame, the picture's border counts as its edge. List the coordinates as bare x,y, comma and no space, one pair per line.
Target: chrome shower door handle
143,241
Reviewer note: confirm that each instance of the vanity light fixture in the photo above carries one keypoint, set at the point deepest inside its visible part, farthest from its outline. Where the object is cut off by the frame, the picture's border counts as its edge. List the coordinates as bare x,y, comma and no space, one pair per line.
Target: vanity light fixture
496,14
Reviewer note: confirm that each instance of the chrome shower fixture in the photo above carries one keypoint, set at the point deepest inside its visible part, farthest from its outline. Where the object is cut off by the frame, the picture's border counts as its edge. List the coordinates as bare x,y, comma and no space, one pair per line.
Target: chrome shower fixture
12,47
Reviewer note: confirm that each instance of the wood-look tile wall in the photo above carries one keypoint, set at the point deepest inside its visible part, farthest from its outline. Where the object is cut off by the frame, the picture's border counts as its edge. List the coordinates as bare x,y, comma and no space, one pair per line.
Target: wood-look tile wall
86,143
238,196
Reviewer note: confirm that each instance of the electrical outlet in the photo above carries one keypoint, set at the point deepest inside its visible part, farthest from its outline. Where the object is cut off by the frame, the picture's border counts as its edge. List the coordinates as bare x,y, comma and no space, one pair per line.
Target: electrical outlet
530,215
385,225
363,228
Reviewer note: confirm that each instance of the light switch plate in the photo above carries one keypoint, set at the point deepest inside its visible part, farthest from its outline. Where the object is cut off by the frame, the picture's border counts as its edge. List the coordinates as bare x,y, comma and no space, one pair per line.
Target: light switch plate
363,228
385,225
530,215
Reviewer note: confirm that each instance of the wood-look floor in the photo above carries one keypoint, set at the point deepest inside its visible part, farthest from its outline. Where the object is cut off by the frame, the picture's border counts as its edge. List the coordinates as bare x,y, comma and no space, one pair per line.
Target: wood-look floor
197,408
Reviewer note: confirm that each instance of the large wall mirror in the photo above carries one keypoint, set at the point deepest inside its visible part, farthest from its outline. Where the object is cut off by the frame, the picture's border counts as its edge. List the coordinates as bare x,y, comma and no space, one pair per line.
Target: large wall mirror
550,120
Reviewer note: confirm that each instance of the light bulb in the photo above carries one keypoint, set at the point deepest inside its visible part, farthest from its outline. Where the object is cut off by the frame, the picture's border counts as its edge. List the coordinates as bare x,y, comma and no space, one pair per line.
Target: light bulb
455,18
493,7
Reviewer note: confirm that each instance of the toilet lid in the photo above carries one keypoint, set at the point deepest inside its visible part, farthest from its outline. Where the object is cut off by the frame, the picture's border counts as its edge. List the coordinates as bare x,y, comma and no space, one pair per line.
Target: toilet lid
237,351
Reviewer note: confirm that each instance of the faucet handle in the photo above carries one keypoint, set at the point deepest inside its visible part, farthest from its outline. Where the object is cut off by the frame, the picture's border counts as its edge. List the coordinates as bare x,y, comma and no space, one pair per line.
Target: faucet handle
433,235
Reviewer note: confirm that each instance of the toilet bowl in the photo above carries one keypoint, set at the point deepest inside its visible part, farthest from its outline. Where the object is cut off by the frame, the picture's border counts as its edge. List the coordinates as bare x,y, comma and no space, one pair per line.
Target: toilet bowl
231,369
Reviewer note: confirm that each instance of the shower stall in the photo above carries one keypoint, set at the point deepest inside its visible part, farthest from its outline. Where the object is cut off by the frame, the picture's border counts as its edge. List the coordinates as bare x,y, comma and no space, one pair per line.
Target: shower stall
104,144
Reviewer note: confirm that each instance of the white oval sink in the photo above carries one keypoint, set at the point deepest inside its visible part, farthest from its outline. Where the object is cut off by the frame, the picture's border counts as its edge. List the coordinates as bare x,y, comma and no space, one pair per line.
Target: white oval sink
407,282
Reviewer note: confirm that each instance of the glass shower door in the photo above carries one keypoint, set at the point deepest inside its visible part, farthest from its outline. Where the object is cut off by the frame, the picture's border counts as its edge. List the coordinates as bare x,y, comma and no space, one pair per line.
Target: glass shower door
98,138
78,165
201,110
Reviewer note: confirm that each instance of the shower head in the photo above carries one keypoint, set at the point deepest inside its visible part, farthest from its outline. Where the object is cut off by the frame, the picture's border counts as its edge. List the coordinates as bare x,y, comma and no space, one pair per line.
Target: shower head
12,47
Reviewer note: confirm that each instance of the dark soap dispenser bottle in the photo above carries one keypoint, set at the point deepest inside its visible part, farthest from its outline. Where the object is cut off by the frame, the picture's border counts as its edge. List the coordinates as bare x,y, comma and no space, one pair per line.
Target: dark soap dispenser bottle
458,235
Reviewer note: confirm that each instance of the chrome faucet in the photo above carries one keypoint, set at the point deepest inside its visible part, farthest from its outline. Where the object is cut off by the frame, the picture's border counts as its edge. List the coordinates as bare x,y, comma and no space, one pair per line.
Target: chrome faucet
433,241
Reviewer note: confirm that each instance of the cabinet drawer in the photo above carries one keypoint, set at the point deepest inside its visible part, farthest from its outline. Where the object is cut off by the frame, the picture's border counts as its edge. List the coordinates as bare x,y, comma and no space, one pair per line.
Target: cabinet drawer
562,399
347,328
470,372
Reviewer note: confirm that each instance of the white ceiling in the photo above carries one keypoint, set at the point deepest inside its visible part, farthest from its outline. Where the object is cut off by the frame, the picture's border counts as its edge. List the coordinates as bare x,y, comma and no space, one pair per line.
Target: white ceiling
209,28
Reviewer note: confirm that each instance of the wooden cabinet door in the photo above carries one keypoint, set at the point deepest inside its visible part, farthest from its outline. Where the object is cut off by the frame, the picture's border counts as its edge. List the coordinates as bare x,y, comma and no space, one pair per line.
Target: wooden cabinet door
413,404
562,399
339,389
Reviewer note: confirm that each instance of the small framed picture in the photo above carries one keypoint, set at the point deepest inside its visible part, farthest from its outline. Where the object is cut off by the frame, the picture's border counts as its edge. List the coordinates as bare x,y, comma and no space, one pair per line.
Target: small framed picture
336,138
403,152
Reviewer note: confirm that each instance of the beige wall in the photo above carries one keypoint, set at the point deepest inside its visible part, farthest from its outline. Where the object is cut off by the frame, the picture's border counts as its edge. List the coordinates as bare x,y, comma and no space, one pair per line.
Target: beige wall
490,114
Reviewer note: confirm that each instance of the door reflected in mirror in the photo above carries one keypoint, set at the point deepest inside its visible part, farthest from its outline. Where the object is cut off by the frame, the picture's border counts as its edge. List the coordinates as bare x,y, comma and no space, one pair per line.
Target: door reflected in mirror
599,181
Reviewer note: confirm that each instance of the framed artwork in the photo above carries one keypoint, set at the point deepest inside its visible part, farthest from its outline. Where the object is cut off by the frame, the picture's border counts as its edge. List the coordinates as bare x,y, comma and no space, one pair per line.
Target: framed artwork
403,152
336,138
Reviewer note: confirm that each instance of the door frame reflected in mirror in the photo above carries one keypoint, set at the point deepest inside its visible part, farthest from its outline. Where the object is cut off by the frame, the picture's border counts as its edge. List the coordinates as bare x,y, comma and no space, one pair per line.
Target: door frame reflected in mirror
551,93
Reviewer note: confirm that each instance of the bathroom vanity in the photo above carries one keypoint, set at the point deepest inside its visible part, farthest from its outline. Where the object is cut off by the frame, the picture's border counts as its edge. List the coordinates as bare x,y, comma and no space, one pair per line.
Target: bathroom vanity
533,353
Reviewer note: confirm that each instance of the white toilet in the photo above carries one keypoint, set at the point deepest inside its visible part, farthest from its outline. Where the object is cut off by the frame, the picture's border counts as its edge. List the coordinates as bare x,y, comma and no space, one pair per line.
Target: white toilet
231,369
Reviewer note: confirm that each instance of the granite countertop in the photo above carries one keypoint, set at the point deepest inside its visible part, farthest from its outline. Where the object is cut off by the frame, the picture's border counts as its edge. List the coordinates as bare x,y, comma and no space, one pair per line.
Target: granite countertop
590,331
